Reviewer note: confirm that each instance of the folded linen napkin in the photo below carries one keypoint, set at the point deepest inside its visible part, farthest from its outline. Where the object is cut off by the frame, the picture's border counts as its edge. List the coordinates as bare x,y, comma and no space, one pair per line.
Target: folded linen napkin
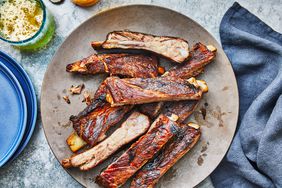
255,51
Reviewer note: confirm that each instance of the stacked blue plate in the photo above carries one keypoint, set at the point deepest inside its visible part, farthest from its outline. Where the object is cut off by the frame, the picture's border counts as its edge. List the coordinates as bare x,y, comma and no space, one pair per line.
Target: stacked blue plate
18,109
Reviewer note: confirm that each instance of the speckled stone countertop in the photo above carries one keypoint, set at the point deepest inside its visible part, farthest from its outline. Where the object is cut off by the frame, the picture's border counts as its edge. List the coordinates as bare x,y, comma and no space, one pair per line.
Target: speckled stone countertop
37,166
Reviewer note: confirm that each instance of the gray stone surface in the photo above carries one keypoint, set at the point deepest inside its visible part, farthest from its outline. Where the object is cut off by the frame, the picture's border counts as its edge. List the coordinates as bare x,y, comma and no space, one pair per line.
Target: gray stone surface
37,166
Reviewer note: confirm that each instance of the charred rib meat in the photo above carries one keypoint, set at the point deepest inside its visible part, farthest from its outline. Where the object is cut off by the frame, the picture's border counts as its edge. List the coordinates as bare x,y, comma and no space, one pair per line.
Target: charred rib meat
146,90
128,65
150,174
139,153
175,49
135,125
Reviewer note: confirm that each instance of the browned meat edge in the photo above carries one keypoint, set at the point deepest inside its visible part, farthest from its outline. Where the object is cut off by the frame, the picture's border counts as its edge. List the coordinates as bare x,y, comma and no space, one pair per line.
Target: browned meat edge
128,65
173,48
150,174
139,153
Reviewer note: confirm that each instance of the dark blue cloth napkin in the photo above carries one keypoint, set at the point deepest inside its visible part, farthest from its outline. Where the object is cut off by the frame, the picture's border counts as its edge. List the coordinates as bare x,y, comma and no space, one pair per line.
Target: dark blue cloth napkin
255,51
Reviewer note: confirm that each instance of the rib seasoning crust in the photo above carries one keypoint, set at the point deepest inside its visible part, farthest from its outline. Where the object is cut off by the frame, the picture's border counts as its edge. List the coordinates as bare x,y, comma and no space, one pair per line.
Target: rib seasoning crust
146,90
139,153
175,49
128,65
135,125
94,121
150,174
201,56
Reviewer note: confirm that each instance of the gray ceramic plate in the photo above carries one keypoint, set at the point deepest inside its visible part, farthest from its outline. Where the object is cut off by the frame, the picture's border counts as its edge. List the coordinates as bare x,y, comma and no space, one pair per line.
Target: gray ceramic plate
221,102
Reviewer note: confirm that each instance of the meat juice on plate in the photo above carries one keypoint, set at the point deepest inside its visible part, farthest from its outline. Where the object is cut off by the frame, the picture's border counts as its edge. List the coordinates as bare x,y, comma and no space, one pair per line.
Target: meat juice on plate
26,24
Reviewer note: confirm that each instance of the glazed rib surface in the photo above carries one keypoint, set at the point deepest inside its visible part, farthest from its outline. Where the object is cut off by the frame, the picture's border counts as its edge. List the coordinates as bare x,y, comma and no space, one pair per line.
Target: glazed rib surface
146,90
127,65
150,174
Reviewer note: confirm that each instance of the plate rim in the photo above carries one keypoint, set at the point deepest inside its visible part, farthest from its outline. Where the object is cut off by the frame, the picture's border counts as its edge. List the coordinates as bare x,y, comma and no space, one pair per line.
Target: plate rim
23,79
21,95
107,9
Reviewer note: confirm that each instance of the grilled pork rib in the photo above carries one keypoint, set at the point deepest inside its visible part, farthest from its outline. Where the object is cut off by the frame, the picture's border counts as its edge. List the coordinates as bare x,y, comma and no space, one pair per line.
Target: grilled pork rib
75,140
128,65
93,122
201,56
175,49
135,125
150,174
139,153
145,90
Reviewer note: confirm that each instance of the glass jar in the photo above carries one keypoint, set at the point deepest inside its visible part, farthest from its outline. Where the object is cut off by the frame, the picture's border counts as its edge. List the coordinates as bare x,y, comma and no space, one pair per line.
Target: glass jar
41,37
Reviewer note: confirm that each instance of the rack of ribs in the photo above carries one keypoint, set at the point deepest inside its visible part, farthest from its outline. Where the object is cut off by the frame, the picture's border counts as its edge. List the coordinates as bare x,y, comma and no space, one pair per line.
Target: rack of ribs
135,125
149,175
117,173
201,56
145,90
128,65
175,49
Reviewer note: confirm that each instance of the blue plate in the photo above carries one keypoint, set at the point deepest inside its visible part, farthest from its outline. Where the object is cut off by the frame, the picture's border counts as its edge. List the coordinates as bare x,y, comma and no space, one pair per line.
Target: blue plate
13,114
30,97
